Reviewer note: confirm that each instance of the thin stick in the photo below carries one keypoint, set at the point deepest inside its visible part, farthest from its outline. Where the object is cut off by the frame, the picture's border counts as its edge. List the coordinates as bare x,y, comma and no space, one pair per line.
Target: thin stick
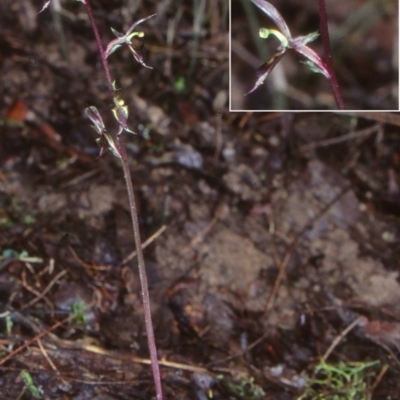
129,257
150,240
350,136
34,339
46,356
340,337
378,378
48,287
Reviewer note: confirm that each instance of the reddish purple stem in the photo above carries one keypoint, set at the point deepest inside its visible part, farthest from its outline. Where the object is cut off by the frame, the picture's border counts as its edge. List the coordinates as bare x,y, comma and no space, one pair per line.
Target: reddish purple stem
323,21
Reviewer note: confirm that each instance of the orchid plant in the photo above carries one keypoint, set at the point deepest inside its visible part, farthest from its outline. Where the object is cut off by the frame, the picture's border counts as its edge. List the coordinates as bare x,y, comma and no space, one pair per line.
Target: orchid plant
288,42
115,144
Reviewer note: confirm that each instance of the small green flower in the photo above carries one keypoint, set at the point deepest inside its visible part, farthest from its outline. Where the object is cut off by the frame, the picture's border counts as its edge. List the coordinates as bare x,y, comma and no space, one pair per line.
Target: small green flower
287,42
105,141
121,113
127,39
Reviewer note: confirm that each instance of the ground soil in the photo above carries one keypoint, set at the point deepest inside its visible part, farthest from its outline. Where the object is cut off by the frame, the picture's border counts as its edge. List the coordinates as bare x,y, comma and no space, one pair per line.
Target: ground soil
273,232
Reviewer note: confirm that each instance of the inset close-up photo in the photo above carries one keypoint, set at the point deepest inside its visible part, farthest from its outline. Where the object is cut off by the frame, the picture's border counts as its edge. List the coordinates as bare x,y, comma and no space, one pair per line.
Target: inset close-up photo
314,55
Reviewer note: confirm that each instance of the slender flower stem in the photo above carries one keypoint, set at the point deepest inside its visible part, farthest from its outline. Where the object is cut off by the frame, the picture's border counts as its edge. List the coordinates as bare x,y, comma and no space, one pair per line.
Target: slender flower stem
323,21
100,47
142,270
135,222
